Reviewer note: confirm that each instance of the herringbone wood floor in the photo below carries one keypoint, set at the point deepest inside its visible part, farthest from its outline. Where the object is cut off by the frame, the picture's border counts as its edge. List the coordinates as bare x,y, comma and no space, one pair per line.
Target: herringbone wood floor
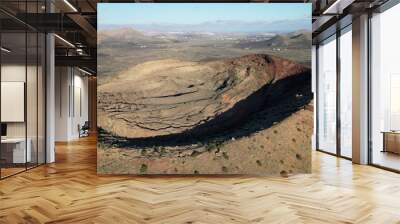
69,191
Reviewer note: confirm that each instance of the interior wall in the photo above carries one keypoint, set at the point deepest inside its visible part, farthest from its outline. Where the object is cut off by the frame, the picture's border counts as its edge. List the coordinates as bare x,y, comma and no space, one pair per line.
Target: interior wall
71,87
33,125
80,110
61,103
16,73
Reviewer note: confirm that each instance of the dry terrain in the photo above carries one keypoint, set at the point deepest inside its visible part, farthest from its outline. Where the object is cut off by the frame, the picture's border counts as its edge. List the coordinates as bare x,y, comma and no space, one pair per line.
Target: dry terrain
199,104
281,149
121,49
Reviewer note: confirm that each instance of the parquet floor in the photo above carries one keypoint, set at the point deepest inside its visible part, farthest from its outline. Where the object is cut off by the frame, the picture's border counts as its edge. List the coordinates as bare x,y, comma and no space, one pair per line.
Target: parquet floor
69,191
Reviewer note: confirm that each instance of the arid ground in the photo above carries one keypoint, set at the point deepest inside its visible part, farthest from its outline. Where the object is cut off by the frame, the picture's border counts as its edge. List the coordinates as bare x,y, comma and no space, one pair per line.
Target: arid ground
204,104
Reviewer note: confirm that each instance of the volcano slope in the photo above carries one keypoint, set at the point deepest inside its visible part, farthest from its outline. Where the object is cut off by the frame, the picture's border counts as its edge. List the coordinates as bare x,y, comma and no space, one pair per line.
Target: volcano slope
171,116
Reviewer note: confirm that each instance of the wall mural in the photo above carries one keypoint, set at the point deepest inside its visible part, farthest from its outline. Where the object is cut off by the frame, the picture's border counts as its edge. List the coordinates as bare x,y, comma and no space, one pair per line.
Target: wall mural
204,88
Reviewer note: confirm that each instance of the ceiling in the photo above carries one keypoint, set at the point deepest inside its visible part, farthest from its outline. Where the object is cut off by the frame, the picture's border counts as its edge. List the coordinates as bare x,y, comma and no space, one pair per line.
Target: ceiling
329,16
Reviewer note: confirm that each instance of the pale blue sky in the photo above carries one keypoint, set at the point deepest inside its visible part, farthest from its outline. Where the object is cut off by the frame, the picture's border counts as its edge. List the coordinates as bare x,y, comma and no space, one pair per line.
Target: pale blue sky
195,13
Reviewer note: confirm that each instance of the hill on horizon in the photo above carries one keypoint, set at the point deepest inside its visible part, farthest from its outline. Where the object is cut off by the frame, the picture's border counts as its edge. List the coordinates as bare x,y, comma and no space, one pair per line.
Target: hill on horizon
291,40
220,26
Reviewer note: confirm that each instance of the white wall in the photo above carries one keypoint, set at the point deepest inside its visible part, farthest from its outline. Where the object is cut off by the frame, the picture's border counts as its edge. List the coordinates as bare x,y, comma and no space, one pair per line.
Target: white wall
81,84
9,73
62,81
16,73
33,126
70,83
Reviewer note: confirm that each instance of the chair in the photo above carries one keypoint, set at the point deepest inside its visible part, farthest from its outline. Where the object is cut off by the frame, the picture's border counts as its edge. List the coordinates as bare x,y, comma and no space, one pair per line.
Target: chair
84,130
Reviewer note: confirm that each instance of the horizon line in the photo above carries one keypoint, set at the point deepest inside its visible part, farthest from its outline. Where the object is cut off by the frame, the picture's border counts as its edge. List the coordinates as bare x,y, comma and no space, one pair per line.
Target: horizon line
168,23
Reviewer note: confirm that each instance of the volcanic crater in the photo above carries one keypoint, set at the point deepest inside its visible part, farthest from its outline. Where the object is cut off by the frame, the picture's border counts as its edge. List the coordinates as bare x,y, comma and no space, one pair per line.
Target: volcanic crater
167,99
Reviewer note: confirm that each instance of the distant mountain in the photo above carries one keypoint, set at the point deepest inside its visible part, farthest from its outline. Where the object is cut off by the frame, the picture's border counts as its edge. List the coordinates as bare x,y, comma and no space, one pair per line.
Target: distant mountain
125,35
222,26
120,34
292,40
278,40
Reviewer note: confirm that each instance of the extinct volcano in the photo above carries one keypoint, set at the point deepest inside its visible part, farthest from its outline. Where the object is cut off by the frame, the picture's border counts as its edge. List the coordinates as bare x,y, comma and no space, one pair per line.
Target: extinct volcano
172,97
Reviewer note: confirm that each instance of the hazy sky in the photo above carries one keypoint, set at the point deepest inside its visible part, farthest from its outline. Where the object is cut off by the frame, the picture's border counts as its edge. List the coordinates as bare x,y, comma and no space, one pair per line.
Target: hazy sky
194,13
